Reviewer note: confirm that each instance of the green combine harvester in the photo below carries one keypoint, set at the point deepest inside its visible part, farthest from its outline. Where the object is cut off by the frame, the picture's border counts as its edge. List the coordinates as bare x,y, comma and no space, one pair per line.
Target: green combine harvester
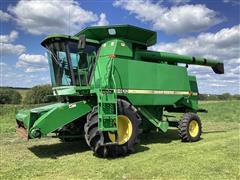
111,88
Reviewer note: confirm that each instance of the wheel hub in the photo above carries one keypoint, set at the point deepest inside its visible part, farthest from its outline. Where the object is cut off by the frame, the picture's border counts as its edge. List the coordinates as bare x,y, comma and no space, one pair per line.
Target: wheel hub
193,128
124,130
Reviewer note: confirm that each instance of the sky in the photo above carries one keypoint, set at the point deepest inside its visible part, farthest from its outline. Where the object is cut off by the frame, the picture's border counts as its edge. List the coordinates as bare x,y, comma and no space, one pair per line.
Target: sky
205,28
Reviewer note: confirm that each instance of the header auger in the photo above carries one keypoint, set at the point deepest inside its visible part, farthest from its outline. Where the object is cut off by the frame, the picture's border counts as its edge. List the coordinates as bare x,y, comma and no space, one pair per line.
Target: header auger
112,88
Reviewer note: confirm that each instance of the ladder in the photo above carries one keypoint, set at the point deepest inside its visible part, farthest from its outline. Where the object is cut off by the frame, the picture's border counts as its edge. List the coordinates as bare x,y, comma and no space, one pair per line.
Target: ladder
107,102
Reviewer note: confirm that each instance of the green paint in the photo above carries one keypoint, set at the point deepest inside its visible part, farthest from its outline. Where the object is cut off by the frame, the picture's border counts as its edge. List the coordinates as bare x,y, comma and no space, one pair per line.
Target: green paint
23,115
115,63
162,125
65,90
107,110
58,116
132,33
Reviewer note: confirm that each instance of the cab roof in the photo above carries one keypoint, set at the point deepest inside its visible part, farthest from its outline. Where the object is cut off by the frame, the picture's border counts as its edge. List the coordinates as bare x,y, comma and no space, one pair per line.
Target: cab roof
96,34
57,37
132,33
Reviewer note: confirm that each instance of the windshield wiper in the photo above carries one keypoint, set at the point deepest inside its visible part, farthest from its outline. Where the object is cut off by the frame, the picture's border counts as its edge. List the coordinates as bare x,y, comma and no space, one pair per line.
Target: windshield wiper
54,57
61,65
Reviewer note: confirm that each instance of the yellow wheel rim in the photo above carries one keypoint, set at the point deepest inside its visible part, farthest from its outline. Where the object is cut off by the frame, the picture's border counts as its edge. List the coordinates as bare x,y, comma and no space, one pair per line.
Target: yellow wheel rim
124,130
193,128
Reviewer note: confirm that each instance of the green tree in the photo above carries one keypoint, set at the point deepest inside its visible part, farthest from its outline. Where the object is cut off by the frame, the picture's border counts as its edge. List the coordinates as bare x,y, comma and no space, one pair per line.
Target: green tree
40,94
10,96
202,97
236,96
225,96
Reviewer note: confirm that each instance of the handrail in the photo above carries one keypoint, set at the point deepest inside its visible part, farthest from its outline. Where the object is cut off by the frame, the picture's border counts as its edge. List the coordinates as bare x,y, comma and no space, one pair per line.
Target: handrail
115,89
112,74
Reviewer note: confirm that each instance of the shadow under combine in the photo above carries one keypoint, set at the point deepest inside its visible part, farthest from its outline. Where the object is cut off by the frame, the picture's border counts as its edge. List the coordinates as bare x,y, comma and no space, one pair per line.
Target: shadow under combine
209,132
59,149
160,137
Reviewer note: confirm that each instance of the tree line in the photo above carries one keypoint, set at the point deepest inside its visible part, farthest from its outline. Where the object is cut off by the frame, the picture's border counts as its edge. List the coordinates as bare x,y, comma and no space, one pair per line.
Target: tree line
43,94
36,95
216,97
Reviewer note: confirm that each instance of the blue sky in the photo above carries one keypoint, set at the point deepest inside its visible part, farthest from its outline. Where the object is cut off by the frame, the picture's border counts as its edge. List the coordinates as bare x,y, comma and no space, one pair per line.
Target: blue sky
201,28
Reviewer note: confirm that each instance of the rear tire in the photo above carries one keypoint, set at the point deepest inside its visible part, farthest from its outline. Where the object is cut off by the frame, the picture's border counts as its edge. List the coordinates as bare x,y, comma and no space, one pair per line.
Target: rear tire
95,138
190,128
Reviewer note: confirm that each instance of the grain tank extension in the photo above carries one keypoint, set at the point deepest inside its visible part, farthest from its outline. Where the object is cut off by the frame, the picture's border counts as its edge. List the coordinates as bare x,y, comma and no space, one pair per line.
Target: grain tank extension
112,88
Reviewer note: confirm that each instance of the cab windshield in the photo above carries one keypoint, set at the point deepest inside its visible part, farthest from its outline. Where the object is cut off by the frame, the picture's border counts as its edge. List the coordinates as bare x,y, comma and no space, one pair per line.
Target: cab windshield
67,65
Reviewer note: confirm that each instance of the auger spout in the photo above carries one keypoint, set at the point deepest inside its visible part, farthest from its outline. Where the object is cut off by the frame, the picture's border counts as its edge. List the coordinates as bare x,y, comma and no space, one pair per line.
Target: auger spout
172,58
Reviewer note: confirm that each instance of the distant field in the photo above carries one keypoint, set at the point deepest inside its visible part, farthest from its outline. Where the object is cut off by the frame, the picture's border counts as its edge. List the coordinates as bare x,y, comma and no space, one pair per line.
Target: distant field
159,156
23,92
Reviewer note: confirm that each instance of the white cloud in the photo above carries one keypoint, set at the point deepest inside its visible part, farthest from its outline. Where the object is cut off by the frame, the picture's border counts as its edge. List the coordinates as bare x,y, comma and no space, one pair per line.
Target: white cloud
235,70
235,60
6,46
2,64
44,17
102,20
217,85
9,38
20,78
177,2
174,20
234,2
7,49
4,16
32,63
222,45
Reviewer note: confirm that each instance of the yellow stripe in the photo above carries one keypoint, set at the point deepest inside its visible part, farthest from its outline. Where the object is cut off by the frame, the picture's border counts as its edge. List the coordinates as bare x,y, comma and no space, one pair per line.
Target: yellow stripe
138,91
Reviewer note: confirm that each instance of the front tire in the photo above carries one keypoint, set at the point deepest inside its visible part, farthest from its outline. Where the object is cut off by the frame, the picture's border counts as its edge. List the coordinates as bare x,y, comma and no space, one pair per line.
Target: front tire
190,128
128,119
67,130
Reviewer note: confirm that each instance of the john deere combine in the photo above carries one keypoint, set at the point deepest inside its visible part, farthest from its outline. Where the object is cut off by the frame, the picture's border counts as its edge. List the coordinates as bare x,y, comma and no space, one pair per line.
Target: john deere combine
112,88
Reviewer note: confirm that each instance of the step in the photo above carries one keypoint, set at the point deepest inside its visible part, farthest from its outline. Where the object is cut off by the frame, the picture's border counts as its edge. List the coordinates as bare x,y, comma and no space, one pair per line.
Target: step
109,144
109,102
109,115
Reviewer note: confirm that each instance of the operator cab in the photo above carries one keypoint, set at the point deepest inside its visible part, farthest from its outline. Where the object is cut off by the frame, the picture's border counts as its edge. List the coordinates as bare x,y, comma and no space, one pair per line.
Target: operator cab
70,59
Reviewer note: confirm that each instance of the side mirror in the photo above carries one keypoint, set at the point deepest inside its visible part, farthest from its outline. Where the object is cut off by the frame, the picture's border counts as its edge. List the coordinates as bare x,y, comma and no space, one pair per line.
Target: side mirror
81,42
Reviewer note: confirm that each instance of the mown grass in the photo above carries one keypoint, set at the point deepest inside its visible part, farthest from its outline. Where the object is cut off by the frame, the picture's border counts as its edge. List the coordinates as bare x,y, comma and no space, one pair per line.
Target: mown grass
159,156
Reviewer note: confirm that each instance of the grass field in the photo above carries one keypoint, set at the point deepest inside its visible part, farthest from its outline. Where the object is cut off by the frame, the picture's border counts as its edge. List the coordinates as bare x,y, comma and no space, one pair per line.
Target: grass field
159,156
